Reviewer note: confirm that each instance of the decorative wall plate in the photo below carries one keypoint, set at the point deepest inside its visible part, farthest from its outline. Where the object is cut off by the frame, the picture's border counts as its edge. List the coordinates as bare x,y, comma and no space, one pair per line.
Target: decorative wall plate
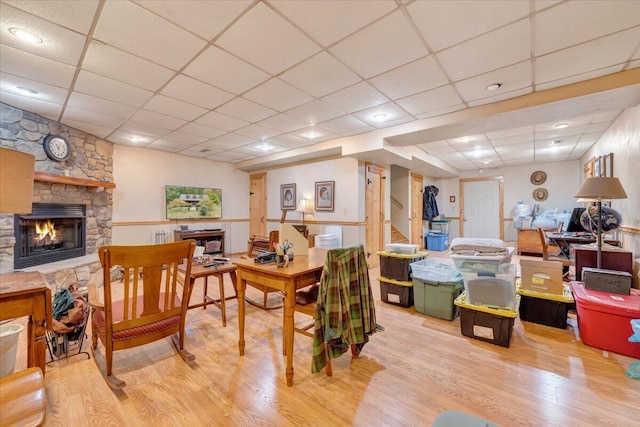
538,177
540,194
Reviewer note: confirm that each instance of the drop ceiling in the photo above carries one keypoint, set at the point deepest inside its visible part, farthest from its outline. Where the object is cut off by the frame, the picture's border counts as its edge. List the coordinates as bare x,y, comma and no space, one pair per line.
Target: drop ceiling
266,83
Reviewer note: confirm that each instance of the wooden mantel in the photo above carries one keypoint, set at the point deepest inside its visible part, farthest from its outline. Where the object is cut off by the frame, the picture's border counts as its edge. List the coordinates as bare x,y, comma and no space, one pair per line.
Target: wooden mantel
62,179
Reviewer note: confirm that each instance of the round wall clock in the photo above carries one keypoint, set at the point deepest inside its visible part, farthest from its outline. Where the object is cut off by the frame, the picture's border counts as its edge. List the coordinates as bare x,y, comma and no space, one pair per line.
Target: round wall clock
57,148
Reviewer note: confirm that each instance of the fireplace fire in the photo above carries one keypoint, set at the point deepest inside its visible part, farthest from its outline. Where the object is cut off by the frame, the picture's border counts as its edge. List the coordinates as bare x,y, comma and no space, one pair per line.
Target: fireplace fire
52,232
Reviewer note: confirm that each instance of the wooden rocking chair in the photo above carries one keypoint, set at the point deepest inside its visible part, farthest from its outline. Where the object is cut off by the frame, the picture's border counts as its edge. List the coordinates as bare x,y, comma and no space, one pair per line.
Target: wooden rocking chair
146,305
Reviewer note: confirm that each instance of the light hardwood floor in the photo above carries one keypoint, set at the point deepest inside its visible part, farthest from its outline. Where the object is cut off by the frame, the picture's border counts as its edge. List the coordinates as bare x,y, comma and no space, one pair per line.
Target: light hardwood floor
418,367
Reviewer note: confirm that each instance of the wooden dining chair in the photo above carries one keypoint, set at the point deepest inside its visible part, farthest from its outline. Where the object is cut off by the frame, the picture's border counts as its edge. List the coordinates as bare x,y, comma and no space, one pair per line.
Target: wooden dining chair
147,304
344,311
554,253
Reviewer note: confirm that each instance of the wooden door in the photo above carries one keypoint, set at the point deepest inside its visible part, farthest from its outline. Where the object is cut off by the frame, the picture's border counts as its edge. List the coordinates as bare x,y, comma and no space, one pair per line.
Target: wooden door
374,207
258,204
416,210
481,202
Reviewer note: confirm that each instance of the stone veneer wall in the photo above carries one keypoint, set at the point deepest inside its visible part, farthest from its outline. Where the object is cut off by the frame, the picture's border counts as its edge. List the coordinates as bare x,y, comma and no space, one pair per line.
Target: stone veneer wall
92,158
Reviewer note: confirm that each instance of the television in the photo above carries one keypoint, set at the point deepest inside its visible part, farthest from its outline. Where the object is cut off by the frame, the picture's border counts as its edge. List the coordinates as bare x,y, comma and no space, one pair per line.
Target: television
192,202
574,225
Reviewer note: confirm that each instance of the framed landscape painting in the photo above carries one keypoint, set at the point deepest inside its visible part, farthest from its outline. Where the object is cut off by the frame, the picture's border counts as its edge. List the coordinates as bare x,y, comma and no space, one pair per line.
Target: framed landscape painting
324,195
193,202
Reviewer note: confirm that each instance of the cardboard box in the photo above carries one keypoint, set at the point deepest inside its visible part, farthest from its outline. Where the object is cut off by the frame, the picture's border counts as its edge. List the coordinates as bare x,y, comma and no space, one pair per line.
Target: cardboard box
598,279
541,276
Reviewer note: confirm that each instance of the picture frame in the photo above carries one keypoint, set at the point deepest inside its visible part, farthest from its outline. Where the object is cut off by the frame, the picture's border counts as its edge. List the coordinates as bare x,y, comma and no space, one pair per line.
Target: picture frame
325,196
597,166
192,202
288,197
607,165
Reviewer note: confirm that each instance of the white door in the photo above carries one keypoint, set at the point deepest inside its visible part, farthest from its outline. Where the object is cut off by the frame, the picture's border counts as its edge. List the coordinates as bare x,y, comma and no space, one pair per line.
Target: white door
481,215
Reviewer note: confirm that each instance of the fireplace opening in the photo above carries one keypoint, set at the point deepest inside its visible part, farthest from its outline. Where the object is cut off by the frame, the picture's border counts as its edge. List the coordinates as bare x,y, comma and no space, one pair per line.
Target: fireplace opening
51,232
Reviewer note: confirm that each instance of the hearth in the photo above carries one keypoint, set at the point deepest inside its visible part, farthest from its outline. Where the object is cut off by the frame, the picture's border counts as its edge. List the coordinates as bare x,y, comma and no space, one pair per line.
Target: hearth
52,232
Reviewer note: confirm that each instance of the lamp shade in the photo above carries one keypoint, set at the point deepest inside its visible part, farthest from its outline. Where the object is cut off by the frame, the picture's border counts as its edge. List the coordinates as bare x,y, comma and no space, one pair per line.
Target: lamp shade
303,207
16,181
601,188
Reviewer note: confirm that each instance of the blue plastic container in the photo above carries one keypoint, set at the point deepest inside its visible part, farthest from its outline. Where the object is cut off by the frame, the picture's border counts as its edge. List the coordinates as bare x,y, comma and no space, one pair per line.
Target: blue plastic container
437,241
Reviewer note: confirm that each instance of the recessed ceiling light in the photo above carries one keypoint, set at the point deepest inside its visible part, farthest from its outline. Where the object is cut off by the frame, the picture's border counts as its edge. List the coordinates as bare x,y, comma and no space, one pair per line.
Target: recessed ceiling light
561,125
494,86
379,117
26,90
556,142
25,35
466,139
135,138
486,162
311,135
264,147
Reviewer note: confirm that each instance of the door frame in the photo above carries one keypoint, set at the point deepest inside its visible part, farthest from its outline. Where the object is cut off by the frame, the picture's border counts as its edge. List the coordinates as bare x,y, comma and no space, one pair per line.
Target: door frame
263,222
369,223
416,210
500,180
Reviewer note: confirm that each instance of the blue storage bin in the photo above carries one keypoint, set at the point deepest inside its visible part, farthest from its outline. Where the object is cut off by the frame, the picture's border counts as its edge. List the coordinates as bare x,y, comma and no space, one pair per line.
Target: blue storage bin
437,241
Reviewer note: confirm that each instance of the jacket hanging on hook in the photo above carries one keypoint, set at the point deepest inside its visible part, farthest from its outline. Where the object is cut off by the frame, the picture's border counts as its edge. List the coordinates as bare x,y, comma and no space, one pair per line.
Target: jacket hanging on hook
429,203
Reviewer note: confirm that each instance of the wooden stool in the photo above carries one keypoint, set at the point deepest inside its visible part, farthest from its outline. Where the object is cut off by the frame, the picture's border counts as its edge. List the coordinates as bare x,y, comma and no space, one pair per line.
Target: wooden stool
218,271
23,401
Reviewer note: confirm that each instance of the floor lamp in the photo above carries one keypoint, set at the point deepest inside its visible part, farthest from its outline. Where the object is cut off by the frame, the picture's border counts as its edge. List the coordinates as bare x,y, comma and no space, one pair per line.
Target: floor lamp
303,208
600,189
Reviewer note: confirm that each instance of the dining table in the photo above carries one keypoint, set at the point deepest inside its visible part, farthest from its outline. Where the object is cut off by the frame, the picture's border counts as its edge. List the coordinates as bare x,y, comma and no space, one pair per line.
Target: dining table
301,271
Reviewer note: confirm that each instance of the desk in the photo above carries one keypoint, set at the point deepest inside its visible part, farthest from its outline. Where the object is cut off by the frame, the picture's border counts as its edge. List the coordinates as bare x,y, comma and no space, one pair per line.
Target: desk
301,272
200,271
564,241
28,294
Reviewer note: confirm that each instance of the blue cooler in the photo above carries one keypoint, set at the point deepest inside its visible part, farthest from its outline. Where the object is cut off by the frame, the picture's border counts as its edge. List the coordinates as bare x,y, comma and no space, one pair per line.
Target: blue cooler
437,241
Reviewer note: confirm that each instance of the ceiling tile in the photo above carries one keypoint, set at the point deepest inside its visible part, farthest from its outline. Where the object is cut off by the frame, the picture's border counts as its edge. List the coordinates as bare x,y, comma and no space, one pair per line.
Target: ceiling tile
512,140
174,108
119,65
204,18
263,38
327,21
511,78
358,131
315,112
131,28
257,132
579,77
441,111
195,92
291,141
223,70
445,23
201,130
278,95
234,139
385,44
505,150
320,75
356,98
156,119
497,49
604,52
221,121
127,137
46,109
166,142
243,109
501,96
101,106
103,87
343,124
415,77
522,130
47,93
79,115
58,43
155,145
430,100
313,134
99,131
33,67
283,123
198,151
572,23
144,129
184,138
76,15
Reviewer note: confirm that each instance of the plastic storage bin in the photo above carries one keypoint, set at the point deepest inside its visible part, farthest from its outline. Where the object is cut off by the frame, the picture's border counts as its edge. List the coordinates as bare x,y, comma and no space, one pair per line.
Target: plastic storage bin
436,298
604,319
493,325
440,226
401,248
435,270
398,266
396,292
497,290
489,263
437,241
545,308
9,335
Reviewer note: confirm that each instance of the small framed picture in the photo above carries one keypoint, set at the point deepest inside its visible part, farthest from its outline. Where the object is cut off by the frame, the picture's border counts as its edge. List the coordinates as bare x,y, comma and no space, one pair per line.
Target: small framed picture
325,195
597,167
287,197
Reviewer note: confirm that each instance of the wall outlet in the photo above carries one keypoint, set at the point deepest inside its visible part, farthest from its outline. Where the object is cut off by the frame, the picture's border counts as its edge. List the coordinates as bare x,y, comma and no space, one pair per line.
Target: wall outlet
346,211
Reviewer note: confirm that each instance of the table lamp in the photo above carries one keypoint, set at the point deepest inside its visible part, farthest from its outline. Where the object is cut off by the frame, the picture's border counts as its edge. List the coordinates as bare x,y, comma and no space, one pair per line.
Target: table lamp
599,189
16,181
303,208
